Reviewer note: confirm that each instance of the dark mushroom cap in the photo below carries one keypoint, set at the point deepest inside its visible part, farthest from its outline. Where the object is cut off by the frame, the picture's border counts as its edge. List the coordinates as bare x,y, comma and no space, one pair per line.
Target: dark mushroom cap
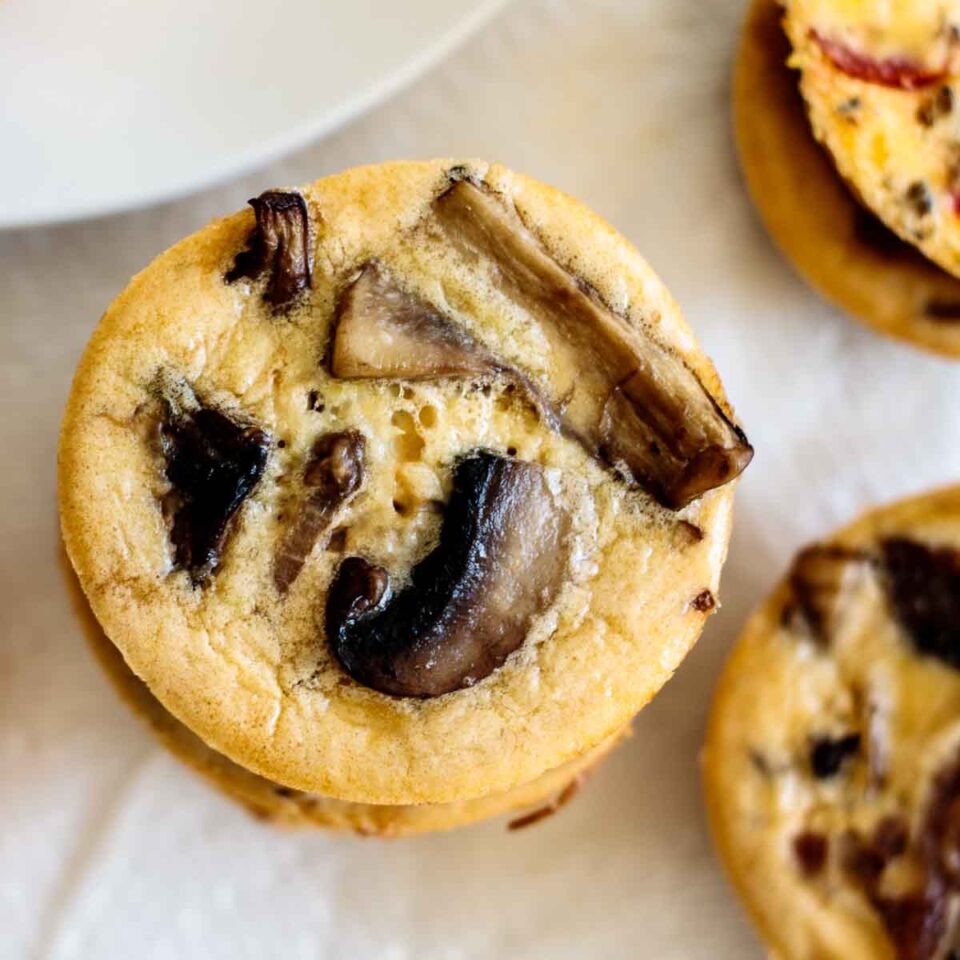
500,560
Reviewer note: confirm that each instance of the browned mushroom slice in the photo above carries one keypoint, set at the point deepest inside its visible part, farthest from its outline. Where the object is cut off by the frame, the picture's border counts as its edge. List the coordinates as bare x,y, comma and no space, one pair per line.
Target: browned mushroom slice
922,923
818,578
468,606
385,331
332,477
278,247
213,465
917,923
632,403
923,587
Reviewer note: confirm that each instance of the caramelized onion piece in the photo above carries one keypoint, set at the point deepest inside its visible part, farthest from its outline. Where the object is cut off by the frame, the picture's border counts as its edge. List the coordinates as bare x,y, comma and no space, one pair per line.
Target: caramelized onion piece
384,331
632,403
468,606
332,477
278,247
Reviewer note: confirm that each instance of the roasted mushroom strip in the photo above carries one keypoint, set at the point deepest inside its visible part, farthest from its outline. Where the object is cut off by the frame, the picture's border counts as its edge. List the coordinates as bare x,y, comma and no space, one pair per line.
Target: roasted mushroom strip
921,920
923,584
332,478
820,575
279,248
213,465
385,331
469,604
632,403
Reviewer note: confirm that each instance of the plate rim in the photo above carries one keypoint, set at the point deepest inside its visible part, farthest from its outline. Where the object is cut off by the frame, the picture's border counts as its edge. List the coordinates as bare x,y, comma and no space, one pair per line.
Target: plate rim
368,96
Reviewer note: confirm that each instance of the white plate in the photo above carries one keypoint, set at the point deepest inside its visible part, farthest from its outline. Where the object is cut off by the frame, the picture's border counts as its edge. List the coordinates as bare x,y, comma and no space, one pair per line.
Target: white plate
112,104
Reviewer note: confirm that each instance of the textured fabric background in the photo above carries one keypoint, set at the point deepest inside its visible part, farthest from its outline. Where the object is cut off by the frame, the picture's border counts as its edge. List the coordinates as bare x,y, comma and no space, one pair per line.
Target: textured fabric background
109,850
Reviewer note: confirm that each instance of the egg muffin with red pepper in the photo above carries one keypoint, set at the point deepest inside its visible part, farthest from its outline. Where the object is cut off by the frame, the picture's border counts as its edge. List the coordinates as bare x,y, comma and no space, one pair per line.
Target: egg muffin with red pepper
848,124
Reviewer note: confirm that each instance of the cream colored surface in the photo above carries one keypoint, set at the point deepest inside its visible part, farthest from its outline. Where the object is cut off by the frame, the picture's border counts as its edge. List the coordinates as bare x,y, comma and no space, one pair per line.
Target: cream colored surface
873,132
776,692
244,669
811,214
